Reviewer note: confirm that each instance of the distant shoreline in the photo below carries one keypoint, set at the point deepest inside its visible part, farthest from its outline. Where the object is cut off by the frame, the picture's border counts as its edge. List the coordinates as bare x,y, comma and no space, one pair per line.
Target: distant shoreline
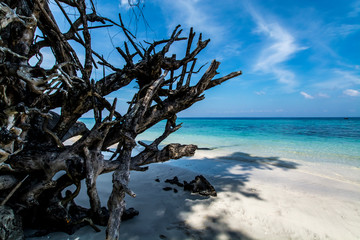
334,140
260,118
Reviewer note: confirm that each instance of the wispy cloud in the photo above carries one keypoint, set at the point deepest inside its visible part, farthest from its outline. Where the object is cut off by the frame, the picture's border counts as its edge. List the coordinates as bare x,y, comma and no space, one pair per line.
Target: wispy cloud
341,30
306,95
341,79
260,93
193,13
279,47
323,95
355,9
351,92
126,4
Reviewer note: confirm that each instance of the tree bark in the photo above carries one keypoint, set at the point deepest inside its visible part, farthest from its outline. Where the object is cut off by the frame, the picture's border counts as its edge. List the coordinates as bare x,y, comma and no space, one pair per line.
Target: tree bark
32,135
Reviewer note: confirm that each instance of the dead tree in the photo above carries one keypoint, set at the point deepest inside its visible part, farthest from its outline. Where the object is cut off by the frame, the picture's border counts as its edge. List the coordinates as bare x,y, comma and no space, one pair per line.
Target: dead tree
32,134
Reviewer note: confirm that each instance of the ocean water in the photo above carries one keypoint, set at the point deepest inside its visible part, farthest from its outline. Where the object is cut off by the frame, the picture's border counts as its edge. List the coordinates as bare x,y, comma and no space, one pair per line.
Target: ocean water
319,140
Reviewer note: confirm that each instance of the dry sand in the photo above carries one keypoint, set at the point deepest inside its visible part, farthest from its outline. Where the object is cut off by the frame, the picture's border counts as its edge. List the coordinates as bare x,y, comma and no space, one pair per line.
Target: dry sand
258,198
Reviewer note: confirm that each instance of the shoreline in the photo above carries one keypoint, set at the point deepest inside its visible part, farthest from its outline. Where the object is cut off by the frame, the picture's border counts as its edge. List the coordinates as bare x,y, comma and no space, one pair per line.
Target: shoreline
256,200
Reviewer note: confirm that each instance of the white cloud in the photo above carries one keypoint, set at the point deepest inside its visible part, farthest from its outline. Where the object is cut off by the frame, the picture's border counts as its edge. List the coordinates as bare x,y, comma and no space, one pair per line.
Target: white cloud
355,9
341,79
193,13
126,4
285,77
323,95
279,48
260,93
347,29
342,30
351,92
307,96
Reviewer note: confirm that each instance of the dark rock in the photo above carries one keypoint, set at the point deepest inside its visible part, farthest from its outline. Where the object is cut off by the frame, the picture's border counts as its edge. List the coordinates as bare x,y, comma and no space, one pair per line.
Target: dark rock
175,180
175,190
157,180
10,225
167,188
162,236
200,185
187,186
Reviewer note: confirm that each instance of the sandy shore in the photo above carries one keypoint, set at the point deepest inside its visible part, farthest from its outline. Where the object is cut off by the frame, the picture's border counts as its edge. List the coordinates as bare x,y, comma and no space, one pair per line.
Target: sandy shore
258,198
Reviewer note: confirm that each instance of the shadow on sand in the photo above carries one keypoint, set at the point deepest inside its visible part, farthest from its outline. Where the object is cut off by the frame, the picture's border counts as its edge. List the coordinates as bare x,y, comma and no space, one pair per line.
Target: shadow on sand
181,215
249,162
237,166
208,218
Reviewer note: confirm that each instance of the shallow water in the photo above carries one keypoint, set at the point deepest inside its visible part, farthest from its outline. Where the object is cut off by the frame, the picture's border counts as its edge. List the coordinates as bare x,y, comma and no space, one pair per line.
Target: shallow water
320,140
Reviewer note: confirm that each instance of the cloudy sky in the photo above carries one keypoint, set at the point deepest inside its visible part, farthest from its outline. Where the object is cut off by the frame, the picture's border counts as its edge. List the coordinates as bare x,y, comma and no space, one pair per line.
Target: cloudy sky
299,58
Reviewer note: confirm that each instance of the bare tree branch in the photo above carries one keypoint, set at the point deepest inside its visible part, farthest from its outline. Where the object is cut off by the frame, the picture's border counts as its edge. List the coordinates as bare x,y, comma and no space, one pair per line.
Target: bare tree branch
32,135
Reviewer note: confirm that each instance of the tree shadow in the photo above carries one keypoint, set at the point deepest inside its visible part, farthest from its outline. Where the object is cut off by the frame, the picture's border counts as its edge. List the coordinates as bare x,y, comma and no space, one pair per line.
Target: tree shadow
182,215
172,213
214,218
249,162
214,229
237,166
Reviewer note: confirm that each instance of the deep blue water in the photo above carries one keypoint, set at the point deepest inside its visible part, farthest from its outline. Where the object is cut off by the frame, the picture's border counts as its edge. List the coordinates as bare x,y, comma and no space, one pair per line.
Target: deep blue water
333,140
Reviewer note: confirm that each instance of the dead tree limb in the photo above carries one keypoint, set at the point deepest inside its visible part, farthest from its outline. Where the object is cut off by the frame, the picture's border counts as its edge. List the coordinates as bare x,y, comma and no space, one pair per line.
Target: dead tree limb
36,167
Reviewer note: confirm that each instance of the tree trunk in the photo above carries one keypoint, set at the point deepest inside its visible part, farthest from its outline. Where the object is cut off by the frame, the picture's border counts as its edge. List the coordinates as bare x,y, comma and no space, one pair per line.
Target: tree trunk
32,135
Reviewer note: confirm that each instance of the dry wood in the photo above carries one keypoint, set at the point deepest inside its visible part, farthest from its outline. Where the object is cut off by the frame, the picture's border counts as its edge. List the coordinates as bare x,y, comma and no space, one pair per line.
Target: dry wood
33,157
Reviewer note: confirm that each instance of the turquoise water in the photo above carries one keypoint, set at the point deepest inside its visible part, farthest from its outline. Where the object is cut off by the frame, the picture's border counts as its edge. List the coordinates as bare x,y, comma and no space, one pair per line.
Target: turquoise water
332,140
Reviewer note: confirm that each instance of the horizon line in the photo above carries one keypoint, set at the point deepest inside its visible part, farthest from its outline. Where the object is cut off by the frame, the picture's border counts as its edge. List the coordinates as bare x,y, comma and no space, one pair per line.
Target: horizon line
251,117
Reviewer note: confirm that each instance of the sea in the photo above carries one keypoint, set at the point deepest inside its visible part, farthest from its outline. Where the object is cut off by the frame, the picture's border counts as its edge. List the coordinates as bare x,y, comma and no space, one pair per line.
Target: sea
317,140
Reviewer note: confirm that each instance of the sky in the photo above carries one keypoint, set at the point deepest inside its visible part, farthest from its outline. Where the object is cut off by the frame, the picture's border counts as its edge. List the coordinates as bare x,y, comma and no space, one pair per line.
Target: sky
299,58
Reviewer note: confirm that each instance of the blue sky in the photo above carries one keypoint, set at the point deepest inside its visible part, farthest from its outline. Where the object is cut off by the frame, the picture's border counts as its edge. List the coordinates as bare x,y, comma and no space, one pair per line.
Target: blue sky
299,58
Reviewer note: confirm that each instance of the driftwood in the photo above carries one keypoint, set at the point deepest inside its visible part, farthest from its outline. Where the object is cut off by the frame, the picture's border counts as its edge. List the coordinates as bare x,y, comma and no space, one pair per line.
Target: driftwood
32,133
10,224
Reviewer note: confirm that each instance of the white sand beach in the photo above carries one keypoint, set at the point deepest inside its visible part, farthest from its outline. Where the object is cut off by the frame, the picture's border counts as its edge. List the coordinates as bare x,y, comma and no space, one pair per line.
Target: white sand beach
258,198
